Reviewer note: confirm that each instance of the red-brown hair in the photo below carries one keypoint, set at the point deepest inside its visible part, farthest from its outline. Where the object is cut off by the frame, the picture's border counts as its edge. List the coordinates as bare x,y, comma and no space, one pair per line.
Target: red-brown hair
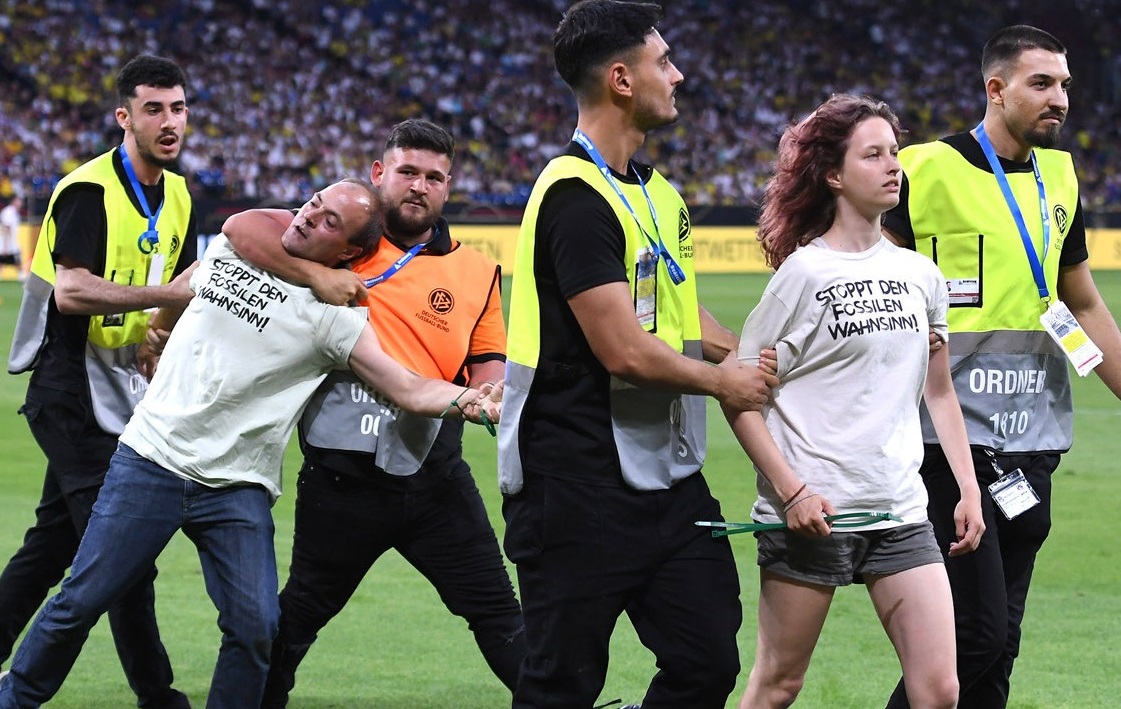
798,205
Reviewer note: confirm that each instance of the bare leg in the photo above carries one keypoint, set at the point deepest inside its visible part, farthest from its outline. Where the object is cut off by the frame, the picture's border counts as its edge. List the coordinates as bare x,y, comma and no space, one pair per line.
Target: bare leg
917,611
791,615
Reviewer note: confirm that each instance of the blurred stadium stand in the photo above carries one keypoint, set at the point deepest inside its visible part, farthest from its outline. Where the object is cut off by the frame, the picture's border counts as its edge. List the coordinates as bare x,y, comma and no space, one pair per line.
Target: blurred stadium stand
288,95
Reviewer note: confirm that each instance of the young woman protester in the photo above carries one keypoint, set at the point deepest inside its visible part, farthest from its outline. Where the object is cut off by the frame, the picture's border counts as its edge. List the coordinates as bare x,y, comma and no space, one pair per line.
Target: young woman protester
850,315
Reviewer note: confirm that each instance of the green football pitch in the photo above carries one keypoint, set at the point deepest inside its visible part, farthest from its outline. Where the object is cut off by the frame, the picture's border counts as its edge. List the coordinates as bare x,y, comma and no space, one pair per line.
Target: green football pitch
395,646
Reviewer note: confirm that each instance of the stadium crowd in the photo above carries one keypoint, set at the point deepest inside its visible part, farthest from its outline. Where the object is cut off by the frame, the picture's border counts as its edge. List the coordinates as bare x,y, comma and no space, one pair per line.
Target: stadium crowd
287,96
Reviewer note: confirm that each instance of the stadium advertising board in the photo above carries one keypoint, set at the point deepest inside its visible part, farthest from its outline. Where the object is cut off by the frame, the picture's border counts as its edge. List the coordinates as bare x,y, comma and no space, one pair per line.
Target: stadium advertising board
724,249
717,249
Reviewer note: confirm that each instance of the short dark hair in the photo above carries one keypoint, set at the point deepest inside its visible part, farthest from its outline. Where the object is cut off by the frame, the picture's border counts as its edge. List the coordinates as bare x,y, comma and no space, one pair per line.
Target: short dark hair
366,238
593,32
421,134
148,70
1005,47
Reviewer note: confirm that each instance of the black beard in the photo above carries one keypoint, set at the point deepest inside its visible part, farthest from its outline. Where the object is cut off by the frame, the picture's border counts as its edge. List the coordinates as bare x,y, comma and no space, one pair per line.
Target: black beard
405,229
149,156
151,159
1046,138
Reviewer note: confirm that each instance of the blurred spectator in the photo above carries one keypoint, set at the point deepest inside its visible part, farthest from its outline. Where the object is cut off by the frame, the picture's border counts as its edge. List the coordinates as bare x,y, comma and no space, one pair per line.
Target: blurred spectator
211,180
291,95
10,219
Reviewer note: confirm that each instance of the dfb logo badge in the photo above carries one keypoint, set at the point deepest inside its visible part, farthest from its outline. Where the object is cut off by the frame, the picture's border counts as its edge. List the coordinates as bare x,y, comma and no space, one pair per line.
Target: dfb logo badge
683,225
1061,217
175,244
441,301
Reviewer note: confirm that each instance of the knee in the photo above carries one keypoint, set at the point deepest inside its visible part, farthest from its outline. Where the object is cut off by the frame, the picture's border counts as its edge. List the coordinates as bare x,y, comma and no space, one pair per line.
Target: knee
946,693
268,624
711,675
495,628
938,693
58,622
72,610
258,637
722,673
781,691
254,628
719,680
301,618
773,683
982,643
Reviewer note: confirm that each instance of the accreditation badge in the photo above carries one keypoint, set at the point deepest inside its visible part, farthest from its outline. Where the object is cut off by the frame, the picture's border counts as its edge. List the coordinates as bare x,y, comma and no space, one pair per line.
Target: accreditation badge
1013,494
155,270
1076,344
155,274
646,289
964,292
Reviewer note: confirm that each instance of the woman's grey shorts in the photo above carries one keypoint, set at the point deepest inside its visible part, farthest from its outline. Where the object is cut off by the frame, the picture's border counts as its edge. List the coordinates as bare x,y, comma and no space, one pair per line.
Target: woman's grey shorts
846,557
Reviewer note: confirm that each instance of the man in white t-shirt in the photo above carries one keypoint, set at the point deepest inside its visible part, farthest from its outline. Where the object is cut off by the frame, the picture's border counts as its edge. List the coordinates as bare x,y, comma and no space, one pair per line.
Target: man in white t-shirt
203,451
9,233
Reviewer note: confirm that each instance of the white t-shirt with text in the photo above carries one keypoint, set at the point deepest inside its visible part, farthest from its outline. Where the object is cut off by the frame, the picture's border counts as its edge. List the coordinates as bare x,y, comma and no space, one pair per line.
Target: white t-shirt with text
851,331
241,364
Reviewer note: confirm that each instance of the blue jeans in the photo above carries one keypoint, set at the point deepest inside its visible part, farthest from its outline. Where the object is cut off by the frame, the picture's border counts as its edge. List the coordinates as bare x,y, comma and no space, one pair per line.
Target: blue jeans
78,452
140,507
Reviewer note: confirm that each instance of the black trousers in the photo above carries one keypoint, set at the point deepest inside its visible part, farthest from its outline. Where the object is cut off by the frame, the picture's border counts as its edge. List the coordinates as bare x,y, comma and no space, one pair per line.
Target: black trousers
344,524
990,586
585,555
78,454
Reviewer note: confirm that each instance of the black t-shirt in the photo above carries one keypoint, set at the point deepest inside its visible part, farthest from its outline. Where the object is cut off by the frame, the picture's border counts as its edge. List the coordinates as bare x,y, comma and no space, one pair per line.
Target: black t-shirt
898,220
579,245
80,239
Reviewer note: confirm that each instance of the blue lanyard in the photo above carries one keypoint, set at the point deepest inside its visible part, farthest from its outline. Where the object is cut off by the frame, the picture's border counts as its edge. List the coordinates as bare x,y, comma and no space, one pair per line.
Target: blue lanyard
149,241
399,263
1044,214
659,246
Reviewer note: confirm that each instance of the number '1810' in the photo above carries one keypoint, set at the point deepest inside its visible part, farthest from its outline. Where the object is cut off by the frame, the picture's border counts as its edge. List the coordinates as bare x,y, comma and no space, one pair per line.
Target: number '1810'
1010,422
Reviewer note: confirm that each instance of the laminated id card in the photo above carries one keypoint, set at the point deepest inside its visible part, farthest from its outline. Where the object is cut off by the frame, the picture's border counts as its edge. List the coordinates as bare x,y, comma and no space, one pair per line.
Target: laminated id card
1013,494
155,270
155,274
964,291
1077,345
646,289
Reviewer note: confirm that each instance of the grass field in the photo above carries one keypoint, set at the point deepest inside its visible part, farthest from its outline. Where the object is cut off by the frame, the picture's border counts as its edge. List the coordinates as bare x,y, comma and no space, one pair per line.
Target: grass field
395,647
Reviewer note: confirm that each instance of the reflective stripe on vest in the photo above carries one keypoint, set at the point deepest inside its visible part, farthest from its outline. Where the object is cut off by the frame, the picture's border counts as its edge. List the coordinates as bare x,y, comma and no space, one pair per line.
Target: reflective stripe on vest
347,415
115,384
428,335
1012,381
1015,397
659,436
